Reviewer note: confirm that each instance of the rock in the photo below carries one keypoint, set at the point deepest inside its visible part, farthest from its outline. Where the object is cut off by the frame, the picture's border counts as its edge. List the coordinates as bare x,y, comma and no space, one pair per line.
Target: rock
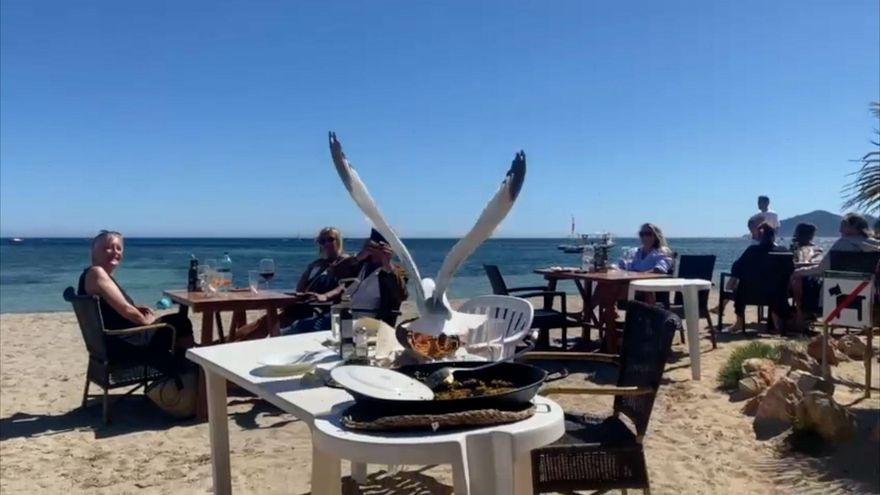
814,349
759,374
777,409
751,386
797,359
751,407
818,412
852,346
753,365
807,382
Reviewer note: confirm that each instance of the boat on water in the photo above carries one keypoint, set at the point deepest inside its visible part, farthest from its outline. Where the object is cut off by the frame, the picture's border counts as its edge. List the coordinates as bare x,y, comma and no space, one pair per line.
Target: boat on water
572,246
15,240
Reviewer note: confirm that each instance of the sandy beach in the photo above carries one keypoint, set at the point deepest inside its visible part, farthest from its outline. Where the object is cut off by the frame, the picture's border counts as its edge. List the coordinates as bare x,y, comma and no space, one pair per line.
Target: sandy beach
698,440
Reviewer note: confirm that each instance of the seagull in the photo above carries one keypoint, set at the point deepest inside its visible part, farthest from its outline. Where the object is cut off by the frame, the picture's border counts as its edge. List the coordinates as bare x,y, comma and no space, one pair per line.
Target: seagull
436,316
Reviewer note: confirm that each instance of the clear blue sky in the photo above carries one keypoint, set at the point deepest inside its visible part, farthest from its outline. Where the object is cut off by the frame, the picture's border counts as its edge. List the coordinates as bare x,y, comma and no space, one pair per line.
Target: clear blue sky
210,118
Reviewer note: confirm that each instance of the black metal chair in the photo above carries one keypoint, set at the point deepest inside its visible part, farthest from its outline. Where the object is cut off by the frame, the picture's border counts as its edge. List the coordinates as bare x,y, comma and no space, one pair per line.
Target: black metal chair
699,266
604,453
546,317
103,370
767,284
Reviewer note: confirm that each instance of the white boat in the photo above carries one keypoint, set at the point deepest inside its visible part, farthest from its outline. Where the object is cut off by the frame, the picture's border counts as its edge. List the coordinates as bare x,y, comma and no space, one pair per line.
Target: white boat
16,240
571,246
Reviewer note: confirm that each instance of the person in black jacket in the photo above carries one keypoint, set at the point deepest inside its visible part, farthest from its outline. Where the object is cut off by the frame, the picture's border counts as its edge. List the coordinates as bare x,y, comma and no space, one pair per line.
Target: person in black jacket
751,264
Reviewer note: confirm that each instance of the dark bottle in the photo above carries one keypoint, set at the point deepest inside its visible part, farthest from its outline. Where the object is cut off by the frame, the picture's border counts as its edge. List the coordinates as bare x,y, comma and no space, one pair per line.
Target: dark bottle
192,279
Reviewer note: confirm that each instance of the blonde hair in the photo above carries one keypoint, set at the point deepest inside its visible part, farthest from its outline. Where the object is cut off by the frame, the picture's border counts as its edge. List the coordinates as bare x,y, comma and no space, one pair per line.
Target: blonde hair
330,231
659,238
103,235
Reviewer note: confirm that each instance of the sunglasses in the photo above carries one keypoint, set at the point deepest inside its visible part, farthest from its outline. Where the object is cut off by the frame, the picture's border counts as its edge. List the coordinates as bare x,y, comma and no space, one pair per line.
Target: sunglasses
326,240
646,234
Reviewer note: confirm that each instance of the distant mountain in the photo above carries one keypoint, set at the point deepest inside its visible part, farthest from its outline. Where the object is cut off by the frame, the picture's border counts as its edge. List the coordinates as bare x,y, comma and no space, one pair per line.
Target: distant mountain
827,223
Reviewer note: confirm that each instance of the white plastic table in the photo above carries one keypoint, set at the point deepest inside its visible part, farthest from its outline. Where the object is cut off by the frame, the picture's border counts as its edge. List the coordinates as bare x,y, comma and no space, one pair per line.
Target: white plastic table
490,460
238,363
690,289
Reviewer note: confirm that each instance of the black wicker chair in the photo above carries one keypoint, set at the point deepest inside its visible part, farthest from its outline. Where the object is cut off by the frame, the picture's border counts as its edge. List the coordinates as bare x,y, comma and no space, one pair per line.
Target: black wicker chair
102,370
766,286
604,453
545,318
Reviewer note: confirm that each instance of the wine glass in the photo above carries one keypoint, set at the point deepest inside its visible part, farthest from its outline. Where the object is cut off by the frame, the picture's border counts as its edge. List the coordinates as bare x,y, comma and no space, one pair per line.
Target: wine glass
628,255
267,270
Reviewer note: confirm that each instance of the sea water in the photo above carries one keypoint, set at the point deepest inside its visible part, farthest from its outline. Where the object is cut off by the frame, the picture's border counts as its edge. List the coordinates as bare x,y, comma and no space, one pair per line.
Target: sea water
34,274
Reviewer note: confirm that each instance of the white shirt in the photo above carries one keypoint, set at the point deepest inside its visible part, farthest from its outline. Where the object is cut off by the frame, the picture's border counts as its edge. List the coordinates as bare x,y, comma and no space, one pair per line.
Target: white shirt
365,293
771,218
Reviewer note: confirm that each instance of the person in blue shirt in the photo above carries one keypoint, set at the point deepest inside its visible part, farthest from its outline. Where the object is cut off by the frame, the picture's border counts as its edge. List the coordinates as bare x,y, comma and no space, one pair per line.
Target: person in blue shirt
653,255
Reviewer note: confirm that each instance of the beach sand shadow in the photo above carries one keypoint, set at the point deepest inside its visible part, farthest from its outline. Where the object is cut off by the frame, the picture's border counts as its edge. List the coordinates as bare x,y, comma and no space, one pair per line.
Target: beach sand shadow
128,415
849,468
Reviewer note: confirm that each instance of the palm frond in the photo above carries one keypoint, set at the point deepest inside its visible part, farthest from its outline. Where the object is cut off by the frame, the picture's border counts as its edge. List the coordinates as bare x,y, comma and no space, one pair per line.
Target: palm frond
863,192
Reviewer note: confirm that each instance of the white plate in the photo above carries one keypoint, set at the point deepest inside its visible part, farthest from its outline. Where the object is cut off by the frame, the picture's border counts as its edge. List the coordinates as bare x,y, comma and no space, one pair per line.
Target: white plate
381,383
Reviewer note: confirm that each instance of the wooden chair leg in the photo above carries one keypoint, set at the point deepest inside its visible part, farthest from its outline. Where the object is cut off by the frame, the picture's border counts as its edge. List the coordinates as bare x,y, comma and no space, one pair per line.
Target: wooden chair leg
86,391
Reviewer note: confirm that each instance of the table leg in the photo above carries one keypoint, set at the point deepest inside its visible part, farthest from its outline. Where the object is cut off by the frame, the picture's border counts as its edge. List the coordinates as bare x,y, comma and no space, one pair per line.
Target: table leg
461,482
359,472
272,322
207,328
239,319
219,430
522,474
551,286
325,473
608,316
692,320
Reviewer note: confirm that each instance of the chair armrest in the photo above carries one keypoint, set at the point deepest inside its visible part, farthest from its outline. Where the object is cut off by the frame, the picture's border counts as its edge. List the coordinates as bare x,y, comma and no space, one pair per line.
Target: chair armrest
144,328
597,390
521,289
570,356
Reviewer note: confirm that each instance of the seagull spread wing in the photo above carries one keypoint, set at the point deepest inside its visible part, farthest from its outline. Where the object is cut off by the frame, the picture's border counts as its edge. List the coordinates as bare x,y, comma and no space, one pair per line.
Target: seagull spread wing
365,202
489,220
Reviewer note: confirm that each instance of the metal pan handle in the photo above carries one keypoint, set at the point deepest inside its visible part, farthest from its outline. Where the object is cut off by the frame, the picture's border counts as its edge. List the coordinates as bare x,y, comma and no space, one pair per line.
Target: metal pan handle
556,375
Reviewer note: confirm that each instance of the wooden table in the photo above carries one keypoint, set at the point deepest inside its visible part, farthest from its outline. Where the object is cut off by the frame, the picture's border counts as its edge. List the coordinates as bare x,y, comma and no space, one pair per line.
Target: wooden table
238,302
615,281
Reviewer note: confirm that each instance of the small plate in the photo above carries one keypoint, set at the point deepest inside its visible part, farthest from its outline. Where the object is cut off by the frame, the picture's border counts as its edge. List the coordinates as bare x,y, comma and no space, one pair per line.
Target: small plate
380,383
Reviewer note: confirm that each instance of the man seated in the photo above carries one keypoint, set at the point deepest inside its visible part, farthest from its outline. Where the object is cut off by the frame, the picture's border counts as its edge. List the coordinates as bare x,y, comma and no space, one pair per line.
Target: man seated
378,291
750,263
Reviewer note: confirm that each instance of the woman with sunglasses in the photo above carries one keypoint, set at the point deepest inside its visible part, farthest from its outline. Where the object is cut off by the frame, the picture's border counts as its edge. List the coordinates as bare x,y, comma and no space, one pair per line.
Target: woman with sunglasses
378,288
119,312
653,255
319,282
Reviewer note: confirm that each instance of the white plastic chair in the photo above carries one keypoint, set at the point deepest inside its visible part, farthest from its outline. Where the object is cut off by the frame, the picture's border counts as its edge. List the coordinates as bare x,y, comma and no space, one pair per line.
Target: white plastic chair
515,312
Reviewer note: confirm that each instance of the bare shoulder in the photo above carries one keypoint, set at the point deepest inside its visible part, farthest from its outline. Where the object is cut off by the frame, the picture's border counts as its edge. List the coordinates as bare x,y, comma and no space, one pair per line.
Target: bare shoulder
95,276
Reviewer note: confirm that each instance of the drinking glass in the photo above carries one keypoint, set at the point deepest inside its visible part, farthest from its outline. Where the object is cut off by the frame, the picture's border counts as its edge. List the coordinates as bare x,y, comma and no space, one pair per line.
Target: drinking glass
254,281
267,269
628,255
211,285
